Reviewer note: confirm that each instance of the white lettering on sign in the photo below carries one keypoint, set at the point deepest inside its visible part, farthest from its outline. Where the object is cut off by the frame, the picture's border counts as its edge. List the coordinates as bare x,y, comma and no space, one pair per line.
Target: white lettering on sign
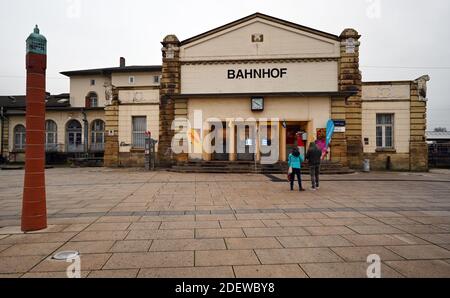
274,73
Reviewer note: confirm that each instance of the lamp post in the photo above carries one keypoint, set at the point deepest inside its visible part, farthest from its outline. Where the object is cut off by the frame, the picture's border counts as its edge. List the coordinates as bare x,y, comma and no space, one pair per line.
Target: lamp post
34,209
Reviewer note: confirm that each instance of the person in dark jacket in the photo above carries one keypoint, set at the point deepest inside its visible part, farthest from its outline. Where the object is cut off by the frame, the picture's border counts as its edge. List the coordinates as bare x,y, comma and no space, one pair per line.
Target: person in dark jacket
314,156
295,162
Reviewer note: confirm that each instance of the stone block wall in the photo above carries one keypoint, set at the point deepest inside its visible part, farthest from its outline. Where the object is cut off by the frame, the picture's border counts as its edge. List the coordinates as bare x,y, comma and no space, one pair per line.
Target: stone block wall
170,85
418,146
111,157
339,141
350,80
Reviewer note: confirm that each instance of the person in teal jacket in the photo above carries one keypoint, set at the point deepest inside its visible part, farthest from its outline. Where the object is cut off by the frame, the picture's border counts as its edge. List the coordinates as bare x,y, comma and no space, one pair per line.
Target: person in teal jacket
295,162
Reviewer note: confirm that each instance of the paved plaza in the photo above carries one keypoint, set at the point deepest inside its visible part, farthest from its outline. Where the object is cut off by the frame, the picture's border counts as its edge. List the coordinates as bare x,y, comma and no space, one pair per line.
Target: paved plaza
132,223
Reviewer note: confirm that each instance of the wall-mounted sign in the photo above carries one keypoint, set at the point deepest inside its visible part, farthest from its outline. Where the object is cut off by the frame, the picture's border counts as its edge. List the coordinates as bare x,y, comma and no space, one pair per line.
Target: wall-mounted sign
260,73
339,123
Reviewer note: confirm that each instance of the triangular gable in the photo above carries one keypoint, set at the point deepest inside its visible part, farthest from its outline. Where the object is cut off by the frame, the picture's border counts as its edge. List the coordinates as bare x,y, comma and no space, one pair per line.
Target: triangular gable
280,39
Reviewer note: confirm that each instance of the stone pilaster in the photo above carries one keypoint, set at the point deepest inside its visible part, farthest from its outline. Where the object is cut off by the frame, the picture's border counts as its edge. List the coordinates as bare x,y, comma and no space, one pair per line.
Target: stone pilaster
350,80
339,140
5,138
170,85
181,115
111,157
418,148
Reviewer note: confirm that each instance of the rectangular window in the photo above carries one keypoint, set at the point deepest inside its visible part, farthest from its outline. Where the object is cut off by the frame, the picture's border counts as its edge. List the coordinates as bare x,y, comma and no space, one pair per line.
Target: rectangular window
131,80
92,82
385,131
139,128
156,79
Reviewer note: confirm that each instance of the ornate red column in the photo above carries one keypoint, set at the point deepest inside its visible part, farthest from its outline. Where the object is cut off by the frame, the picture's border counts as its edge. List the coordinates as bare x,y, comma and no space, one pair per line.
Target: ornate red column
34,209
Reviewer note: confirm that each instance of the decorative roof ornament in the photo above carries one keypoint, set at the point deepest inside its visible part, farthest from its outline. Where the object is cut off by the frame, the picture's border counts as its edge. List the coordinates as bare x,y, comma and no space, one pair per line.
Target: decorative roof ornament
36,43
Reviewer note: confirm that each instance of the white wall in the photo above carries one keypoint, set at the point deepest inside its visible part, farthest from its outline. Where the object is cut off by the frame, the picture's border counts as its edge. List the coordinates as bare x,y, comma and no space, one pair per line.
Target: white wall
80,86
139,96
140,79
386,92
126,112
401,110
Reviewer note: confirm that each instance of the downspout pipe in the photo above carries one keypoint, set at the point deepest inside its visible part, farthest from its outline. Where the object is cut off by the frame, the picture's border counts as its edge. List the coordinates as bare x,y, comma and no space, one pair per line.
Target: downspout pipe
86,131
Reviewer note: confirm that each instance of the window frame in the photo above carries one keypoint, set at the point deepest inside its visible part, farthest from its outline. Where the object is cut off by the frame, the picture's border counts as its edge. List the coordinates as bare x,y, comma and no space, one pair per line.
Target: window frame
92,82
19,147
131,80
92,97
383,127
54,132
95,134
138,136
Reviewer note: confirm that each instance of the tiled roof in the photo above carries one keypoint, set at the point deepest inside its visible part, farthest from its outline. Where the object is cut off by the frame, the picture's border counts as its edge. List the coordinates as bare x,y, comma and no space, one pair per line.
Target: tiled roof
109,70
19,101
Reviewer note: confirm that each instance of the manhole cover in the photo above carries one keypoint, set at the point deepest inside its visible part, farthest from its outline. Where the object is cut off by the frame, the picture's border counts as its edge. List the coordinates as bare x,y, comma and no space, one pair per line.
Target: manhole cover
66,255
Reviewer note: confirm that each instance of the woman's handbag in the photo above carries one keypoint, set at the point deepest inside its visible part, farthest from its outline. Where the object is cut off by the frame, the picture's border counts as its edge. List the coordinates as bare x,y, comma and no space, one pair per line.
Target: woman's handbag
289,173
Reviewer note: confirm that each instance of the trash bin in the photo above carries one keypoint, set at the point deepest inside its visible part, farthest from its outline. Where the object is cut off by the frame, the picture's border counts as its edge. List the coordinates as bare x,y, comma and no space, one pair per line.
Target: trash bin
366,165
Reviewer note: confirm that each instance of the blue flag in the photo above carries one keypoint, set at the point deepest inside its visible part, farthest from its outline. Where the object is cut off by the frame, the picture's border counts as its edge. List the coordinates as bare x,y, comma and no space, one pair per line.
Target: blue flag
330,131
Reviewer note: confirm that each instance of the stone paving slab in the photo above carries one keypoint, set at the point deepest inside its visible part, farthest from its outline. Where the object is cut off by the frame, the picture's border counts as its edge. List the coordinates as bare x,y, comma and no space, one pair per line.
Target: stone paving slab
345,270
421,268
128,273
88,247
18,264
269,271
219,233
225,257
187,244
360,254
131,246
314,241
420,252
150,259
31,249
132,223
296,255
191,272
88,262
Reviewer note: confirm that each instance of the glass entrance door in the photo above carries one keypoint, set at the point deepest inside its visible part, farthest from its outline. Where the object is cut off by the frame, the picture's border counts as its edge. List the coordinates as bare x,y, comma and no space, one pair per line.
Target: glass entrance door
221,152
246,142
291,136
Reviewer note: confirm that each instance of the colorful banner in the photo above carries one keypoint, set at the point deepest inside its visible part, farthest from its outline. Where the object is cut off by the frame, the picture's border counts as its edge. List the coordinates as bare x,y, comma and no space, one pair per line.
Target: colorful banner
330,131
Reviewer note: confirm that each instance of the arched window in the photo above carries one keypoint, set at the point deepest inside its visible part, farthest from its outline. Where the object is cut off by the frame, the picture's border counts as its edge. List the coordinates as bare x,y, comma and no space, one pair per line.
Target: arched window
74,137
19,137
51,136
91,100
98,135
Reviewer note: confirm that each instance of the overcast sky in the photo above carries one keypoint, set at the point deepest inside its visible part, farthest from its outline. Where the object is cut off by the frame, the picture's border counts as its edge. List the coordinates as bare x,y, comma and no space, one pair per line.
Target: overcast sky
401,39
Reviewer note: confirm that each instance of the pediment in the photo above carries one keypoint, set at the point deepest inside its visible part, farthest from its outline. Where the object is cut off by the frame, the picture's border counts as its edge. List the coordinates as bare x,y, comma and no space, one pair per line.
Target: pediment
260,37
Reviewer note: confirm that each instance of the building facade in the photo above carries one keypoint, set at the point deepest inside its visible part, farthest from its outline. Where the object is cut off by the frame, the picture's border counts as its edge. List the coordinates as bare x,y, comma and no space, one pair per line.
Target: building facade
243,92
288,78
